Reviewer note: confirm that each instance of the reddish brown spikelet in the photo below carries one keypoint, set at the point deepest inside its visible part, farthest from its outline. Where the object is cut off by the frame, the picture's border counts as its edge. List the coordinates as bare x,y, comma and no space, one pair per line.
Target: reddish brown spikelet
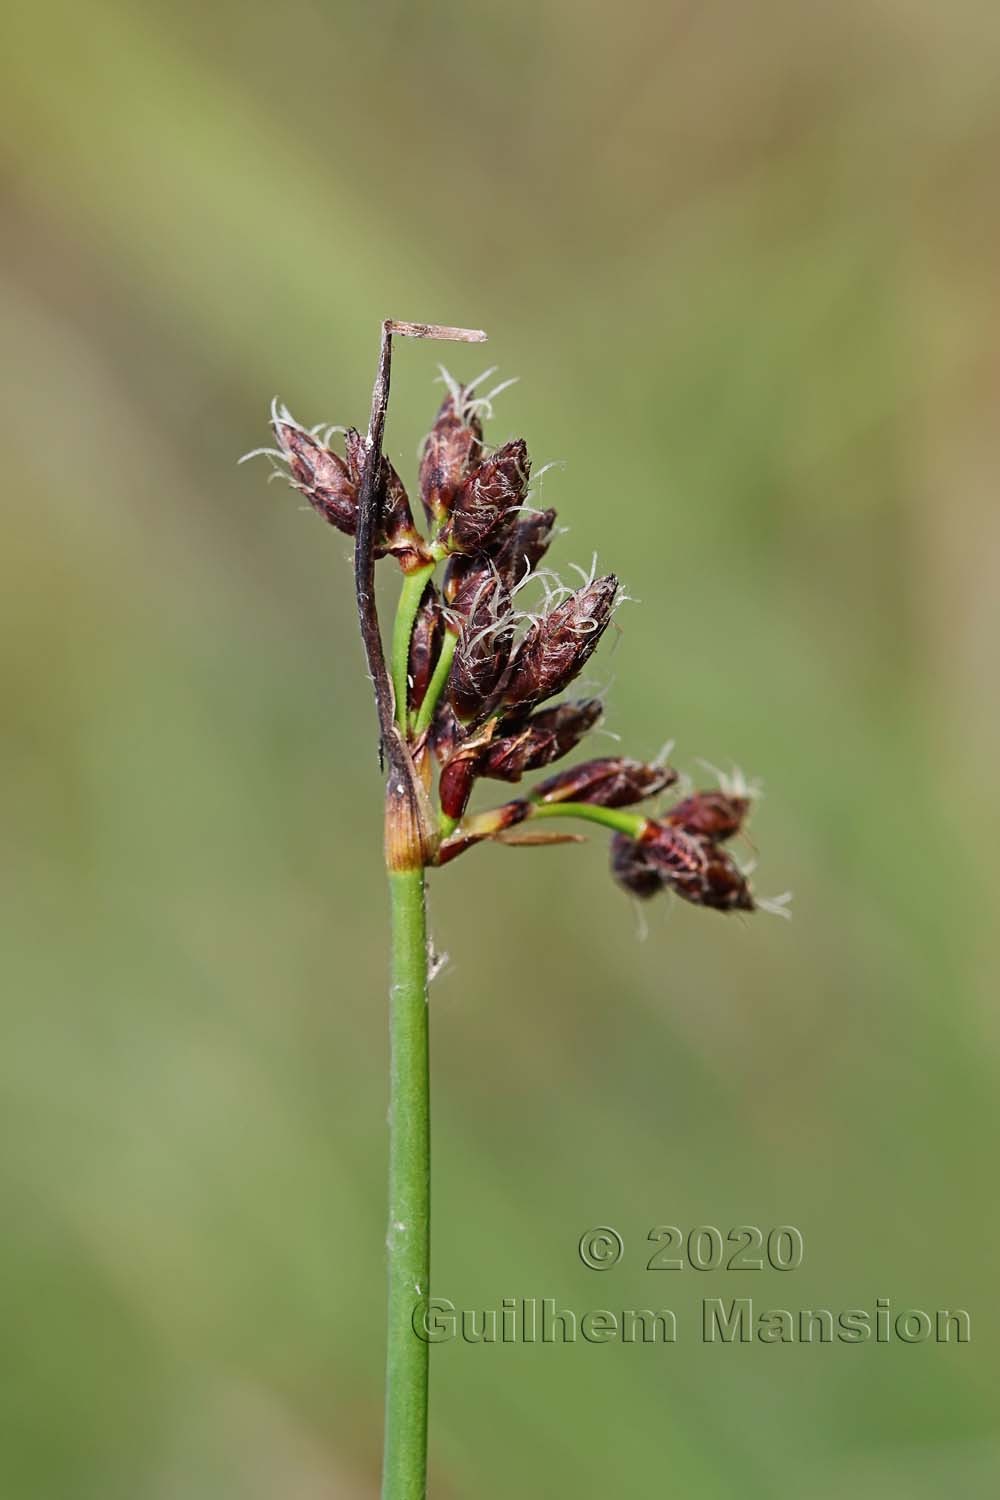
725,887
569,722
524,545
696,869
320,475
484,645
609,781
447,732
509,757
485,499
461,569
511,553
711,815
680,858
632,870
455,784
425,645
544,738
453,448
558,646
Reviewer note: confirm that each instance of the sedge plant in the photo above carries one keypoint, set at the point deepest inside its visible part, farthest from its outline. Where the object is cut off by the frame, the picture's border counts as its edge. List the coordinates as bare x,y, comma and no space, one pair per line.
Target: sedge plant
469,690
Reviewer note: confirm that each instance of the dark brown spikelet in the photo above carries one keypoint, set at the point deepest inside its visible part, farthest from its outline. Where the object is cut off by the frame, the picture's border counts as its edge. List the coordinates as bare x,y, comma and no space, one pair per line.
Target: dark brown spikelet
519,548
712,815
453,448
725,887
569,722
524,545
447,733
396,532
680,857
558,646
632,870
610,781
425,646
696,869
461,569
487,497
321,476
486,637
545,737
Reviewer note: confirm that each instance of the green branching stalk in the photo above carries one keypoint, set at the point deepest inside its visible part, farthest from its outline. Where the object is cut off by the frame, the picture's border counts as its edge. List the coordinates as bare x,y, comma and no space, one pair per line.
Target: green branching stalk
608,817
496,821
437,684
409,602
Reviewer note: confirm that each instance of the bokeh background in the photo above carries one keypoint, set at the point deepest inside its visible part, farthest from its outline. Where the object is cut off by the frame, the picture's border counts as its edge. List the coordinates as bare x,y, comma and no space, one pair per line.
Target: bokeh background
744,260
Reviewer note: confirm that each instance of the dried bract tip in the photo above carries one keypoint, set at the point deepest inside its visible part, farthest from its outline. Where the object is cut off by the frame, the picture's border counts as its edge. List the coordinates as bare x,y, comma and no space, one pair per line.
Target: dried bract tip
610,781
453,448
486,498
559,645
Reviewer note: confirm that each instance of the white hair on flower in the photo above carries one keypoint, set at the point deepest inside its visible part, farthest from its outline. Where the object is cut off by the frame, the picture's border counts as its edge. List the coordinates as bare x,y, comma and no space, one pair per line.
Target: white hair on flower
734,783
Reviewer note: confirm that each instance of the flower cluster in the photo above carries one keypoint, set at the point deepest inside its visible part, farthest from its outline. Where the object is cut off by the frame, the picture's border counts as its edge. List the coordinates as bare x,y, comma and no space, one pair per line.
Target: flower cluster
682,851
475,672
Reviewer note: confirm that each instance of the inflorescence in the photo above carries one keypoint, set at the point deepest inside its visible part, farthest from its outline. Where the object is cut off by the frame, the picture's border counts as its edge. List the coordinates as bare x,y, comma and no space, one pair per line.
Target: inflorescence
479,671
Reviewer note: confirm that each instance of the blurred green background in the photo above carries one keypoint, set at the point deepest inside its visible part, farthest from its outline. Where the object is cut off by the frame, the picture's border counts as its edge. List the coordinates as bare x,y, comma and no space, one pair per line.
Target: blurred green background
744,260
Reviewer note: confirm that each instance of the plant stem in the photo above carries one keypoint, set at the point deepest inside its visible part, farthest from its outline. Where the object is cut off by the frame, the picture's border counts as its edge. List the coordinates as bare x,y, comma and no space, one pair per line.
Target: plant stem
437,684
608,817
410,596
408,1240
404,1473
455,838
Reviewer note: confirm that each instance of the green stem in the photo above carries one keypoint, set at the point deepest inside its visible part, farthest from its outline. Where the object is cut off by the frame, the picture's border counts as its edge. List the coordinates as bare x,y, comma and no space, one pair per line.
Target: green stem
437,684
404,1472
473,829
410,596
446,825
608,817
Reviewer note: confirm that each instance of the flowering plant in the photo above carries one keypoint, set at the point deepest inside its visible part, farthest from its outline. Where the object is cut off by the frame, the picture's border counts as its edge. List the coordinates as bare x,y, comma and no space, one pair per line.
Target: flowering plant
466,695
